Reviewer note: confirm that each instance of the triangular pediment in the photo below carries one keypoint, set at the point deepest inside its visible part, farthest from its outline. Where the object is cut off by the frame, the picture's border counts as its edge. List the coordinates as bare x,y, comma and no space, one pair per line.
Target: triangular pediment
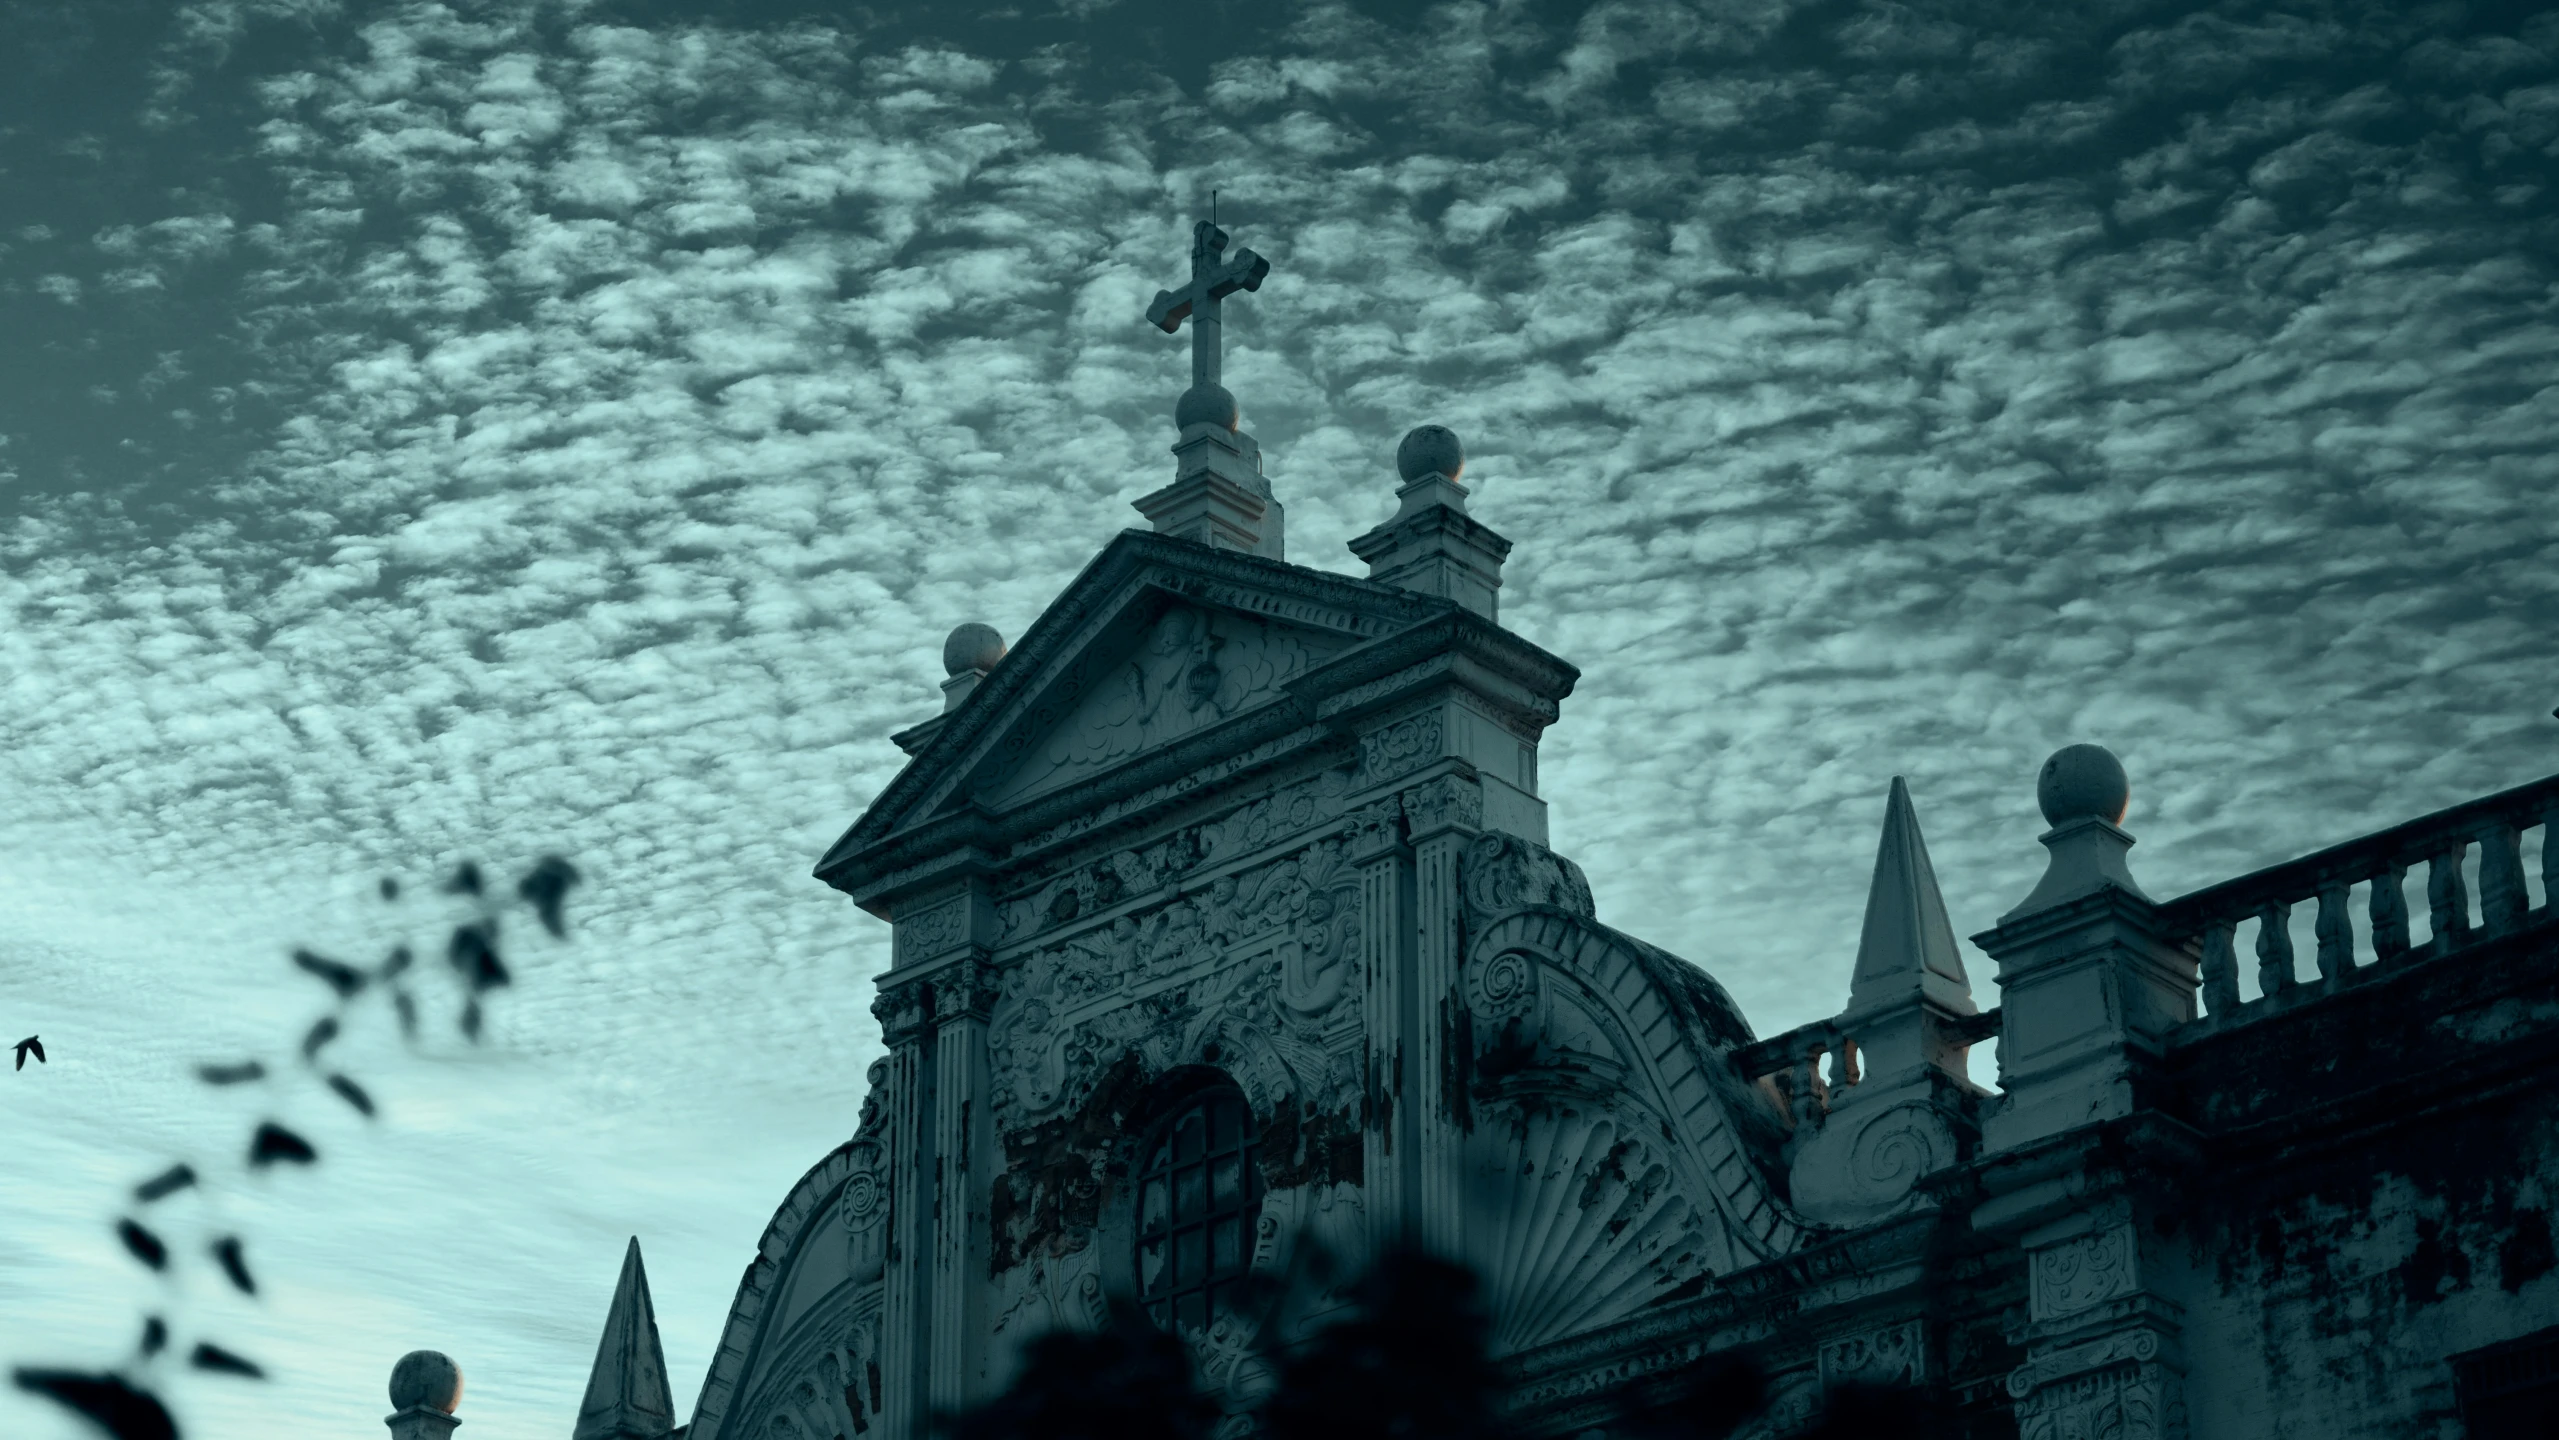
1182,671
1162,651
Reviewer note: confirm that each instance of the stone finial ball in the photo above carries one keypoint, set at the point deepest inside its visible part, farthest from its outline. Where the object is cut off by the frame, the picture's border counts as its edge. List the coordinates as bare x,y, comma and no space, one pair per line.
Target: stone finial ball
1206,405
1430,448
2083,781
426,1378
973,646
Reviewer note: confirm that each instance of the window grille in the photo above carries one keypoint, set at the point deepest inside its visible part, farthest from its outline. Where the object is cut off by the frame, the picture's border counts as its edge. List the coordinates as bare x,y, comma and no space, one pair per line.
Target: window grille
1199,1194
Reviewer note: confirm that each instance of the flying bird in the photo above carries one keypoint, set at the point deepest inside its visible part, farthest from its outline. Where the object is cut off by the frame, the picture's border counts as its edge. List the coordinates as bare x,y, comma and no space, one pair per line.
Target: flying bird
209,1356
155,1336
353,1094
273,1142
465,881
390,888
239,1074
544,886
339,976
31,1046
227,1250
397,962
146,1247
408,1009
110,1400
167,1182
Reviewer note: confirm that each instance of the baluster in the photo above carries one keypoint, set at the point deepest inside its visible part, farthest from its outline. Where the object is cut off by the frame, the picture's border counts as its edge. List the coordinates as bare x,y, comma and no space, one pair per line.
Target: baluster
2447,898
2221,971
2274,948
2390,913
2336,935
2502,898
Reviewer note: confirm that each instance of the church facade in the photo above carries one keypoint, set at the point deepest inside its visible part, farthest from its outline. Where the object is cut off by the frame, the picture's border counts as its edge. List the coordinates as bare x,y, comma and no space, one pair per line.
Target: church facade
1229,949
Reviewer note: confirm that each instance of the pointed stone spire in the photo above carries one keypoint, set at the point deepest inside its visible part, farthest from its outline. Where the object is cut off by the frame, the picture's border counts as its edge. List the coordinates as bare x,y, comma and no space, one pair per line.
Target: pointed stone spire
1908,946
627,1397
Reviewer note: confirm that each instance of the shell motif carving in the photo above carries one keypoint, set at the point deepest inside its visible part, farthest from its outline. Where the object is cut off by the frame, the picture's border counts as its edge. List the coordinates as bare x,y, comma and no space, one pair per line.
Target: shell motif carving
1575,1222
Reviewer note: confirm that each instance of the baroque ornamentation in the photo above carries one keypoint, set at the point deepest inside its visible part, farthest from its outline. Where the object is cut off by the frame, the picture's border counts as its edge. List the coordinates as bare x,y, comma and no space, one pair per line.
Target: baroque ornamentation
932,931
1893,1355
1444,802
1400,748
2083,1271
1501,873
1194,668
1277,944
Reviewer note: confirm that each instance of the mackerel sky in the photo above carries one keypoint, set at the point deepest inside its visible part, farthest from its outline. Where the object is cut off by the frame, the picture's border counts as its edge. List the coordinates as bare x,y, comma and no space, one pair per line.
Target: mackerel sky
477,430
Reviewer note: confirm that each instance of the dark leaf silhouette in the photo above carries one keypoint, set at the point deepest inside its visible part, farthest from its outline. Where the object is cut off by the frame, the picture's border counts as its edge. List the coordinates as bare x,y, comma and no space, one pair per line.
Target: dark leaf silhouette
30,1046
474,952
353,1094
209,1356
1859,1412
340,976
1709,1402
465,881
322,1031
545,885
1411,1363
398,961
390,888
273,1142
408,1012
146,1247
234,1264
155,1336
109,1400
240,1074
471,1020
1127,1381
167,1182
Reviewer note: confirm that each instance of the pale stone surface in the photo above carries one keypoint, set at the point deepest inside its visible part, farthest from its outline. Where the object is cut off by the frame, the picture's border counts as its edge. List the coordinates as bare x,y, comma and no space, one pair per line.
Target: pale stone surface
627,1396
1221,818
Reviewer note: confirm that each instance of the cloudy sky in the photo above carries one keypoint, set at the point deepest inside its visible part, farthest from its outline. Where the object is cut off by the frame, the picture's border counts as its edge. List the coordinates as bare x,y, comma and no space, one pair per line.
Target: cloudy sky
471,430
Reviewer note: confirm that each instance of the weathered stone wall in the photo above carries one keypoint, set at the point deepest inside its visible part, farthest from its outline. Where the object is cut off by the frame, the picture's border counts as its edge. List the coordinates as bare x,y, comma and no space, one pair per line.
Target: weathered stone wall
2380,1171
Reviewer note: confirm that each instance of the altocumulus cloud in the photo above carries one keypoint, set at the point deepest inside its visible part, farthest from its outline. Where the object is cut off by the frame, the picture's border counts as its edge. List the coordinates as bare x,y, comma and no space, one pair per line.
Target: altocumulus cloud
589,423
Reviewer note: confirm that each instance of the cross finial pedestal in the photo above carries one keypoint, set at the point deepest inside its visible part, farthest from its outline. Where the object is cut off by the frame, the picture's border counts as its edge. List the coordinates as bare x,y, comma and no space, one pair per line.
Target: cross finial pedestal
1218,495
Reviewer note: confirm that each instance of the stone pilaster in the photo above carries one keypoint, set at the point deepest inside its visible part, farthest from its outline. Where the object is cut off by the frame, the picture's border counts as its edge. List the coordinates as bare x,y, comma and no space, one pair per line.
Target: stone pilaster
906,1281
933,1007
963,994
1387,1152
1442,815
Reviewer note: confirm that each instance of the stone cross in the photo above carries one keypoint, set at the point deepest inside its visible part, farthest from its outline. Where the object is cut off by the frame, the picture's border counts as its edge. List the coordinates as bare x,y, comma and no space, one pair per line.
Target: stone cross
1213,278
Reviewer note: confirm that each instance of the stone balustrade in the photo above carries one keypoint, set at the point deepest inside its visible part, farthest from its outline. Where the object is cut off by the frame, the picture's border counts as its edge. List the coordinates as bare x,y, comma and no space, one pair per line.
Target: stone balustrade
2495,826
1790,1066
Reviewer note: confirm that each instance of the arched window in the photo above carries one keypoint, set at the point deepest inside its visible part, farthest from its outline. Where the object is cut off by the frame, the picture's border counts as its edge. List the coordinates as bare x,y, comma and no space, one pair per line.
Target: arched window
1198,1195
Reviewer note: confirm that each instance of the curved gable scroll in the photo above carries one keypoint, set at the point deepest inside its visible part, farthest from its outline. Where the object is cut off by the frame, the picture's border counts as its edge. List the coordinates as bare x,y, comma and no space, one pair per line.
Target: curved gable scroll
801,1343
1615,1158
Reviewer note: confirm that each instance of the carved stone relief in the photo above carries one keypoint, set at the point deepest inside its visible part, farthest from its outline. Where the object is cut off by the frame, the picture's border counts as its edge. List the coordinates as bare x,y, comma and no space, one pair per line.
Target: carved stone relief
1194,668
1277,943
2083,1271
1862,1165
1892,1355
1501,873
1400,748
